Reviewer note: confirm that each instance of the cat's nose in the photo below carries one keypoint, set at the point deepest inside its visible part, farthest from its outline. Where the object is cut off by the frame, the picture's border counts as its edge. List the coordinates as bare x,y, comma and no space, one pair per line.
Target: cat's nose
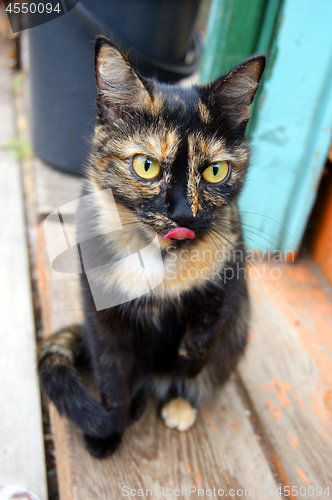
183,221
183,216
180,210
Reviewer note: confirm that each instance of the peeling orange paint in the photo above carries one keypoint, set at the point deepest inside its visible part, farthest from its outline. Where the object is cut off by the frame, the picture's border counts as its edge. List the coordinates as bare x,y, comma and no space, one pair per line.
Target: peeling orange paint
323,237
276,412
303,476
280,389
324,435
282,474
319,408
208,416
299,400
327,398
235,425
301,298
197,479
294,441
258,438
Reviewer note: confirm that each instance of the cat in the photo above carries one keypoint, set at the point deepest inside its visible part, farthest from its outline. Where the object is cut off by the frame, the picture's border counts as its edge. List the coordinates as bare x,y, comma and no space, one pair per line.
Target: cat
172,161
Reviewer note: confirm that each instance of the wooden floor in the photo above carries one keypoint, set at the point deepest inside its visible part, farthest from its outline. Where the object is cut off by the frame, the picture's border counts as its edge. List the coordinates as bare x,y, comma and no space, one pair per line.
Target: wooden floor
270,425
22,458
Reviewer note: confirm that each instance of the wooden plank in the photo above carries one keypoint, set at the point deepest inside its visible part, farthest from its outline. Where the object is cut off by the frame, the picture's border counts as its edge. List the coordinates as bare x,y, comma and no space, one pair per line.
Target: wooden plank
221,451
54,187
322,247
216,453
287,370
21,437
293,129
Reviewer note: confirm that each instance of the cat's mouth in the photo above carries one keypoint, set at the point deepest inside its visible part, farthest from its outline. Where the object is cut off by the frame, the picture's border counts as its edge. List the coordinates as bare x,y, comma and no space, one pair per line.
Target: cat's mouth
179,233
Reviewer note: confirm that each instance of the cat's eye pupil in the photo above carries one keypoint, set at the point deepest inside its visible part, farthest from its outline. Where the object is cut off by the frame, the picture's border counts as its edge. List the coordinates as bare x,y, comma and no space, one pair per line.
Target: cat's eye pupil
146,167
217,172
147,164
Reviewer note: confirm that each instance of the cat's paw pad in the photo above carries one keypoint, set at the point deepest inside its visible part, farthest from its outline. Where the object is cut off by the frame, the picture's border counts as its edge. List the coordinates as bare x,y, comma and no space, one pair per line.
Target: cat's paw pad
179,414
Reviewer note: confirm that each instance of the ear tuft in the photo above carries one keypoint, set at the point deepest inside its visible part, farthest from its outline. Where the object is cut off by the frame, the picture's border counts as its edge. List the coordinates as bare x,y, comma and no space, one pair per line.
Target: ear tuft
242,82
119,87
234,92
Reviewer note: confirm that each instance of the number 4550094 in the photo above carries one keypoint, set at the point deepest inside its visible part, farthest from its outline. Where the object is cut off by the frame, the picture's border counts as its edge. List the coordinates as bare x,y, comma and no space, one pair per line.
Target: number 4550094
304,491
24,8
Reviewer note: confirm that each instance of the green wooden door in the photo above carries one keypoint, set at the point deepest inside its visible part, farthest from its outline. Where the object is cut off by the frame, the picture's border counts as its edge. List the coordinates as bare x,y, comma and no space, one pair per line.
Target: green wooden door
291,132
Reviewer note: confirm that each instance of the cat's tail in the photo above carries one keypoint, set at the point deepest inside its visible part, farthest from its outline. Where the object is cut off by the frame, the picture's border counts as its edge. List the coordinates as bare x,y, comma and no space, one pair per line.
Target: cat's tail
57,357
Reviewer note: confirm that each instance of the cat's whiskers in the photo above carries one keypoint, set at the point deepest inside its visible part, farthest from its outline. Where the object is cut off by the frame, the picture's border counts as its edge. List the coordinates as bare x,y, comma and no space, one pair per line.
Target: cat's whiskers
261,272
271,219
252,264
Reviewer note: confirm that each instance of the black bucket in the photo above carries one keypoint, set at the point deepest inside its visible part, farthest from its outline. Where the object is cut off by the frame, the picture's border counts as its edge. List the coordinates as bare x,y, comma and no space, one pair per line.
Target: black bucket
157,36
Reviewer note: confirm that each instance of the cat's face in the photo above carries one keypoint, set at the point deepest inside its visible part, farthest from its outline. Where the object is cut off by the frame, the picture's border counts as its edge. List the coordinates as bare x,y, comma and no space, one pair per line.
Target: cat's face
174,158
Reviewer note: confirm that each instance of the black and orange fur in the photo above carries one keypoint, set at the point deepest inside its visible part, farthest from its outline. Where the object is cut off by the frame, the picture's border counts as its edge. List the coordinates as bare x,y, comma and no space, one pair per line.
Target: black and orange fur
183,338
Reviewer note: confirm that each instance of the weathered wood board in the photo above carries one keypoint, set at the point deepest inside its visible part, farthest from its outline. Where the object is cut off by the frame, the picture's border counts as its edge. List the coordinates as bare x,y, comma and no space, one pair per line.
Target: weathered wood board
21,436
322,245
54,187
287,371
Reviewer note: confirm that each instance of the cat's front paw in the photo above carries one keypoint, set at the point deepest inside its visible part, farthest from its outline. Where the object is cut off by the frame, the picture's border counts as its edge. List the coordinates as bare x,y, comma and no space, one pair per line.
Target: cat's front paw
179,414
102,447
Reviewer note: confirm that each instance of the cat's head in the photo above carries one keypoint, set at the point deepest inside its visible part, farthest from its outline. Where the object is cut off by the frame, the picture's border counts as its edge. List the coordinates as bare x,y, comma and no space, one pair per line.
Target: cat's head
174,157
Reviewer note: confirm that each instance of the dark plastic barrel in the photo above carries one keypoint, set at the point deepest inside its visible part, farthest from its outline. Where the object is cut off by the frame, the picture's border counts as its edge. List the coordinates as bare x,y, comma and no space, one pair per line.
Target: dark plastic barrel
159,38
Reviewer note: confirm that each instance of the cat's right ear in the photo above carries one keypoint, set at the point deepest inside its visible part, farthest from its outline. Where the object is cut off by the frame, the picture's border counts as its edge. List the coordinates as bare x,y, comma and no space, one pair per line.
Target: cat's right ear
120,90
232,94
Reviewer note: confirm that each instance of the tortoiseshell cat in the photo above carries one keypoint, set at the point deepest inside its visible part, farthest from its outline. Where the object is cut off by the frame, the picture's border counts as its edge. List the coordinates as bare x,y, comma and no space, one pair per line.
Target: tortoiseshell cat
175,160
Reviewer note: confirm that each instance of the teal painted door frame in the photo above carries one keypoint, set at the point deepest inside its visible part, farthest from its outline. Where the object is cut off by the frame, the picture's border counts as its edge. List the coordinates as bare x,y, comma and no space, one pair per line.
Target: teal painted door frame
292,130
233,33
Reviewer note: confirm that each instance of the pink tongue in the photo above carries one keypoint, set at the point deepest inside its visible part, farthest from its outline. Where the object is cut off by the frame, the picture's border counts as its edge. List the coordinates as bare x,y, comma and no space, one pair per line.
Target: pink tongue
180,233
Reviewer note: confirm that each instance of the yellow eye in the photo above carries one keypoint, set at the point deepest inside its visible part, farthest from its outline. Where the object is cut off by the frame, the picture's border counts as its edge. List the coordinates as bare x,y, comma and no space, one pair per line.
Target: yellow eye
146,167
216,172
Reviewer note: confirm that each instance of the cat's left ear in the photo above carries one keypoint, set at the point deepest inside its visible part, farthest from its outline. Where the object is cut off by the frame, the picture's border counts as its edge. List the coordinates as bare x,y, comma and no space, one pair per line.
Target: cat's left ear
120,89
234,92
